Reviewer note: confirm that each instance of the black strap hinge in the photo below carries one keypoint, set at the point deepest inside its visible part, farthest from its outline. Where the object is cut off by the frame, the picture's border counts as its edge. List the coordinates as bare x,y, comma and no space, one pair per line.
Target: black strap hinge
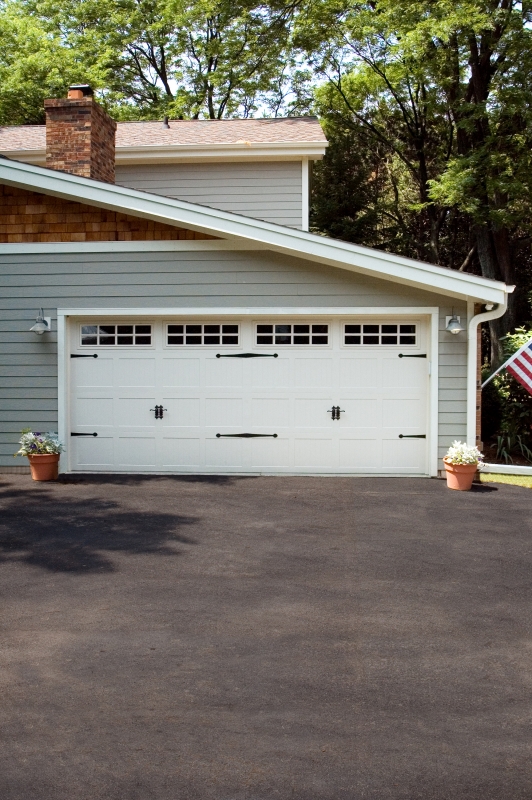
247,355
412,436
83,355
84,434
245,435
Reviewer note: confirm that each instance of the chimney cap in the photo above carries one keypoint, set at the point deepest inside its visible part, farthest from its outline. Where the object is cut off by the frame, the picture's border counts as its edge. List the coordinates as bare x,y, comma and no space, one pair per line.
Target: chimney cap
84,88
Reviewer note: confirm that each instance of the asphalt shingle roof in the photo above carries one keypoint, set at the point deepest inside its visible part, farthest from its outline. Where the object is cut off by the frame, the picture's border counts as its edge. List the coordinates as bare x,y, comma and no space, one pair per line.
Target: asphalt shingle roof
184,132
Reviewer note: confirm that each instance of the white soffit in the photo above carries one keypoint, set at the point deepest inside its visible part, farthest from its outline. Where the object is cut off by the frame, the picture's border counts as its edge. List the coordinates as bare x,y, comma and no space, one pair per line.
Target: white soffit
288,241
190,153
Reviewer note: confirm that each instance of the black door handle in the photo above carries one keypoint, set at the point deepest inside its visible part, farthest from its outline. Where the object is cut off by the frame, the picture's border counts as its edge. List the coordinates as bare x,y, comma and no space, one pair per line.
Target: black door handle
158,411
335,412
245,435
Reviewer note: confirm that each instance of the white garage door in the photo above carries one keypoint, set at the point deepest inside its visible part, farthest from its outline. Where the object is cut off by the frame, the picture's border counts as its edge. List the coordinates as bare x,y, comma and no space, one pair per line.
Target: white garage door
251,396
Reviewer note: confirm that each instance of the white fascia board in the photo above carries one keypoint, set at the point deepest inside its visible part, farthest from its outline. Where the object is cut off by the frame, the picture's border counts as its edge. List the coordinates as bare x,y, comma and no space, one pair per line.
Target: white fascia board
254,311
198,153
275,237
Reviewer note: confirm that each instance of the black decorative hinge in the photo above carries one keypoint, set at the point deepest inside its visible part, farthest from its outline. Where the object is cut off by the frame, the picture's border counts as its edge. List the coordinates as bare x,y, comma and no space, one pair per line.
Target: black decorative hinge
84,434
245,435
247,355
79,355
335,412
412,355
412,436
158,411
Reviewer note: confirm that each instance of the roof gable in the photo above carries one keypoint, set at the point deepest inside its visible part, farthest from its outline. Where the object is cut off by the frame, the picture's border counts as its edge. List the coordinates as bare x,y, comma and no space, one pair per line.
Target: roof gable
29,216
244,229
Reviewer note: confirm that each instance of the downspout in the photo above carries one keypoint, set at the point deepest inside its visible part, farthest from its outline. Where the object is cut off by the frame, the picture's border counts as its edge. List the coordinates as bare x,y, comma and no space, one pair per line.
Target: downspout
474,322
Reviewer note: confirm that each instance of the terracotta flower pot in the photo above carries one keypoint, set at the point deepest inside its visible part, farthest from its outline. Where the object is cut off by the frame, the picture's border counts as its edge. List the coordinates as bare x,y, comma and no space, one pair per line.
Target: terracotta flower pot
44,467
460,476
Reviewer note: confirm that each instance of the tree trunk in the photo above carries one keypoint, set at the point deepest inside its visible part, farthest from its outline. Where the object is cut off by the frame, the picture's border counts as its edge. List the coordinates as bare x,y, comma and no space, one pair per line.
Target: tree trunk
494,254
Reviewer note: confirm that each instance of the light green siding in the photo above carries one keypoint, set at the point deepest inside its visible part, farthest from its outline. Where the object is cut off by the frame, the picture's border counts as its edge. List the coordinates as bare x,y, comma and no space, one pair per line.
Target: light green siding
28,364
268,190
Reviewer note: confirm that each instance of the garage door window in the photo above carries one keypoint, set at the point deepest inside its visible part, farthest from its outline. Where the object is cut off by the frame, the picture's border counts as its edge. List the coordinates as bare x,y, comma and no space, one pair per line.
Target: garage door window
292,334
202,334
115,335
385,334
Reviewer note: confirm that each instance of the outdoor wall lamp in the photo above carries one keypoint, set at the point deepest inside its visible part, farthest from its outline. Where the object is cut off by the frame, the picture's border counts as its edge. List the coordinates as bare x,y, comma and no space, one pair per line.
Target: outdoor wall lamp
42,324
453,324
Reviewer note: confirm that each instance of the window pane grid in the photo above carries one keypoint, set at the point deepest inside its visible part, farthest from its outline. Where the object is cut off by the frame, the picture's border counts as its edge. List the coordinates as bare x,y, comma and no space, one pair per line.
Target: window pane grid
385,334
115,335
195,333
288,334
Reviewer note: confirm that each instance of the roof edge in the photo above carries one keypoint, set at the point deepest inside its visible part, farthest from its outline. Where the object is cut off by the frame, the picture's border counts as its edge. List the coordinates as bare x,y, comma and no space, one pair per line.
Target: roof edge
289,241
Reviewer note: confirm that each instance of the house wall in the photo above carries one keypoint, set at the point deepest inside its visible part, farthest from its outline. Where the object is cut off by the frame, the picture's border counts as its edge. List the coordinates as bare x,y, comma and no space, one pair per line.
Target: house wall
28,364
269,190
33,217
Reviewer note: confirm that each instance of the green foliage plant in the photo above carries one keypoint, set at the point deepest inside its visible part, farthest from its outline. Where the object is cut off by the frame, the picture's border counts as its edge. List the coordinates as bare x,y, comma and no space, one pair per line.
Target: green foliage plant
515,434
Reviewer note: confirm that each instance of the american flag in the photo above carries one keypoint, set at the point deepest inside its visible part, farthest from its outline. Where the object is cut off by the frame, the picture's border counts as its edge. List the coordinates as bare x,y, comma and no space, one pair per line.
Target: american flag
520,366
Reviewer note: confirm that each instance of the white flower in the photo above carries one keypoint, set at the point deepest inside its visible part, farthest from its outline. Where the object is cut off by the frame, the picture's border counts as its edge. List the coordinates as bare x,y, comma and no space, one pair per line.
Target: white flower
462,453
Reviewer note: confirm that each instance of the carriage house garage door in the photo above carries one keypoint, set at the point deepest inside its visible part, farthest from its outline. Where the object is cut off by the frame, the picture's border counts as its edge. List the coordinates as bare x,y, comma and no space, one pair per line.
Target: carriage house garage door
270,395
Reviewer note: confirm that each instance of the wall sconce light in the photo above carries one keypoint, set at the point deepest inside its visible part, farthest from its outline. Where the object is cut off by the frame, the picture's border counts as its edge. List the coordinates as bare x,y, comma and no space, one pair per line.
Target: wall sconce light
42,324
453,324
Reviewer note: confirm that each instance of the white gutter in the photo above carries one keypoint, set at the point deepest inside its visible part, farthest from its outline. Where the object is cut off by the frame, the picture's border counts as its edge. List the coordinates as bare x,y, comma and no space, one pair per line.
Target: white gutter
474,322
182,153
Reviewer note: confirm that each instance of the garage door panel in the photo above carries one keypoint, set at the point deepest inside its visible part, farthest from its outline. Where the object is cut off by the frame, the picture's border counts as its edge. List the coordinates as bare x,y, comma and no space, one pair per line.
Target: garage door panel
180,372
312,412
92,411
93,453
313,372
311,451
268,373
359,373
404,455
93,372
403,373
270,453
223,372
224,412
181,411
224,453
136,450
137,372
405,413
135,412
181,451
270,411
361,453
361,413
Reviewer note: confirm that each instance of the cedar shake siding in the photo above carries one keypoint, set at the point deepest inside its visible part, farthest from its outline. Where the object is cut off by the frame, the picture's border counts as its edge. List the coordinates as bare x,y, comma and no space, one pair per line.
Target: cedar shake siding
80,138
32,217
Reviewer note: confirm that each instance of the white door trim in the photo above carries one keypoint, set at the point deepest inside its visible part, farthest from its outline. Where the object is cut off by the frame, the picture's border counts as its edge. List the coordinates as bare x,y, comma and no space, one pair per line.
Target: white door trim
63,351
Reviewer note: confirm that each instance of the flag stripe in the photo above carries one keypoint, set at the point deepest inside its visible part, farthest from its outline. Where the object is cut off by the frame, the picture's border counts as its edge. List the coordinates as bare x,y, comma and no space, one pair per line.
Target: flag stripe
527,369
526,356
524,380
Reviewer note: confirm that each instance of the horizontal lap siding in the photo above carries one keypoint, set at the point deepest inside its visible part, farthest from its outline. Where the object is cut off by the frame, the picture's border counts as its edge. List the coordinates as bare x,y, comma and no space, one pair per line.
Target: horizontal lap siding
452,421
28,364
271,191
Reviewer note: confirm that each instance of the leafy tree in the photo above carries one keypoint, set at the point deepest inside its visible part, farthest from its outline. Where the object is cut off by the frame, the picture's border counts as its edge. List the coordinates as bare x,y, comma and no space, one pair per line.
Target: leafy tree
445,89
209,58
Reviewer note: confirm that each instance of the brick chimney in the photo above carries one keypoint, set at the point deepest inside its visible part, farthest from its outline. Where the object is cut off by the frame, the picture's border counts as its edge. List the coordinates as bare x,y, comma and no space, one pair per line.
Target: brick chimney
80,136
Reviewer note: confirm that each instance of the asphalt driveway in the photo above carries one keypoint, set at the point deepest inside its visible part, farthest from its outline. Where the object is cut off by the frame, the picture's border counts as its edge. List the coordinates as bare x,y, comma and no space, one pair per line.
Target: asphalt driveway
260,638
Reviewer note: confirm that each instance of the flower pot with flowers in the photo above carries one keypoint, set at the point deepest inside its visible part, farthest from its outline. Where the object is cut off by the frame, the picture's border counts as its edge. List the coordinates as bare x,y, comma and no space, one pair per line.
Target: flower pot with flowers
461,464
43,451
